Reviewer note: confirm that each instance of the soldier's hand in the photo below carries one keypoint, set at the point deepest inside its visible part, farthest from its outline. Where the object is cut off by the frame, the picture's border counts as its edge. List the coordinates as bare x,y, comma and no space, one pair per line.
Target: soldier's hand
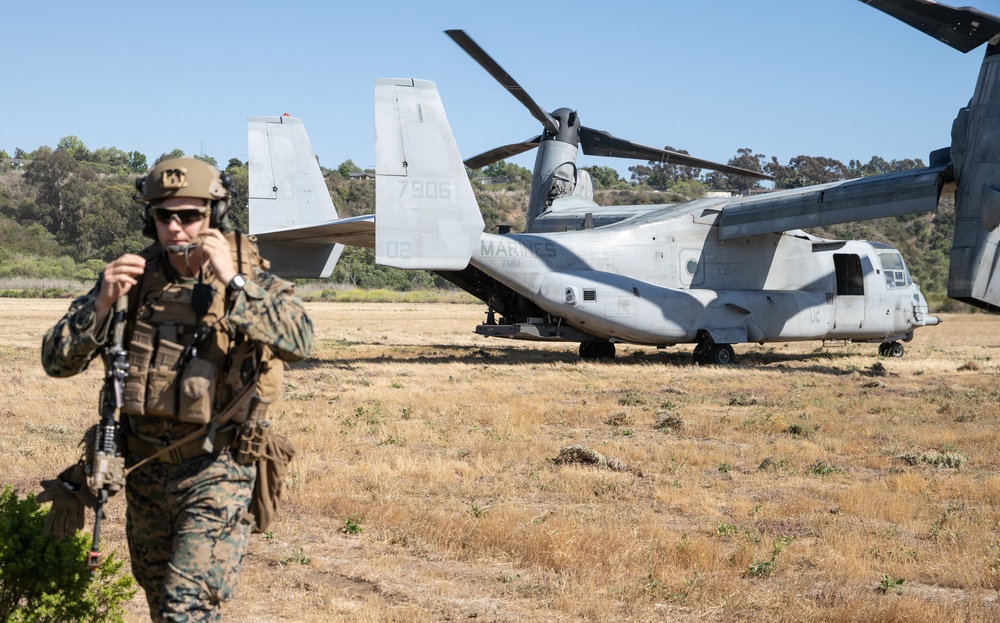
118,278
69,495
217,250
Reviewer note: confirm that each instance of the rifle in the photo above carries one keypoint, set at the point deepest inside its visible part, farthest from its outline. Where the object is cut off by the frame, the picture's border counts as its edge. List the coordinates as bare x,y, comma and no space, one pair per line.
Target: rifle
107,465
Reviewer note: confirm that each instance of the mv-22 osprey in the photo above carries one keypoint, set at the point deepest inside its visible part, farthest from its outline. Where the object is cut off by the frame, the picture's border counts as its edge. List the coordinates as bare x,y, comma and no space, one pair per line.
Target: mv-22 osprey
712,272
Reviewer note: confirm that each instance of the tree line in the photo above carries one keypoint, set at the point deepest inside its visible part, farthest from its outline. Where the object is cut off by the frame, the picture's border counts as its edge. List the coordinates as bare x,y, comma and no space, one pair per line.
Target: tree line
65,212
799,172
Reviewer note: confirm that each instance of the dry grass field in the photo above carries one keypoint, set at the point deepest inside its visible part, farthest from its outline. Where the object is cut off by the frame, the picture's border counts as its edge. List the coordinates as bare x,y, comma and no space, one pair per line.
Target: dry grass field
436,478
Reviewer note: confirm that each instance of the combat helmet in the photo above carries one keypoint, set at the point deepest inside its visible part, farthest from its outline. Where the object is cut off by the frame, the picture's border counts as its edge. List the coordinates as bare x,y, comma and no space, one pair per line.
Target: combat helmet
183,177
186,177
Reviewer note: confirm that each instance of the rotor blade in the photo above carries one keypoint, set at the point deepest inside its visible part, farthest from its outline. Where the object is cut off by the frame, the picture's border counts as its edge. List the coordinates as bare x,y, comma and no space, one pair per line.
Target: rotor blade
963,28
600,143
486,62
495,155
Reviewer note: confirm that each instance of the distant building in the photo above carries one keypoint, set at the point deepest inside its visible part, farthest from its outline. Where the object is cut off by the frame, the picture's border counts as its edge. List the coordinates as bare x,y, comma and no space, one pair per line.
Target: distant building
361,175
497,179
721,194
14,163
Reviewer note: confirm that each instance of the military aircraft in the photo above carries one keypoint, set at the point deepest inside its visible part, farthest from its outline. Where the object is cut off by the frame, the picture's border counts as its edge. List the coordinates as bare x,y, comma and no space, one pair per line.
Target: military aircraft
712,272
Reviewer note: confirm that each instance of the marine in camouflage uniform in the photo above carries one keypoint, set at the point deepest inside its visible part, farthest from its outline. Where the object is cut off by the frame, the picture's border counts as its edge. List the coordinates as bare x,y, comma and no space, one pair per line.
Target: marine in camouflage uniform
187,516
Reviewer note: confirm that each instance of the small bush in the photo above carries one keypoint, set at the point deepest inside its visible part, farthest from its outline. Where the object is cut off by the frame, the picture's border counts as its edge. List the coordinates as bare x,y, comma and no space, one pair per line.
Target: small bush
668,421
352,525
889,584
796,430
943,460
822,468
44,579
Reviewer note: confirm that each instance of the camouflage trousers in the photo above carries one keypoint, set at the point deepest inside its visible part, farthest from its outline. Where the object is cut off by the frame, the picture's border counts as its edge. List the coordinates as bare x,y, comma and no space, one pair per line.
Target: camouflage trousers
188,528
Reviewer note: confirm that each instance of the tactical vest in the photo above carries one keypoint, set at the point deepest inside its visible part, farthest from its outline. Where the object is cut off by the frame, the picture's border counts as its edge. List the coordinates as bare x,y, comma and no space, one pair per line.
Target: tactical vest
185,363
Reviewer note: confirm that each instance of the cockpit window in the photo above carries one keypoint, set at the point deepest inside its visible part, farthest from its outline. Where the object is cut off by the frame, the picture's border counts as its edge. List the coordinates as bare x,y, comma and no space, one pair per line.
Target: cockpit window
896,275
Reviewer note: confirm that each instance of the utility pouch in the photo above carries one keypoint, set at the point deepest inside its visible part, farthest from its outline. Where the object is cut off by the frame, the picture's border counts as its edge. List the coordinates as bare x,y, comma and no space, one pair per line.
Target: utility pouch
140,355
270,483
197,392
251,444
161,391
269,382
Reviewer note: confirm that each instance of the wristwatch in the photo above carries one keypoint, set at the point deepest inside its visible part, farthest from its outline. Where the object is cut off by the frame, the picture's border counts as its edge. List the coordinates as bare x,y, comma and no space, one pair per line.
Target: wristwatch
236,283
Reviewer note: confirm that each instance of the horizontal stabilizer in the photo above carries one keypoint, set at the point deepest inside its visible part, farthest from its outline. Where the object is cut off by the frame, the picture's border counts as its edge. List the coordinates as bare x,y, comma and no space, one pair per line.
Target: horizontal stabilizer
893,194
355,231
293,260
426,213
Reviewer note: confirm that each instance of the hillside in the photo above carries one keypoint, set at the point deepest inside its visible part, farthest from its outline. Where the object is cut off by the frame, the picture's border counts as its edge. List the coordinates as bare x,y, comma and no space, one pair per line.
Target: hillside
65,213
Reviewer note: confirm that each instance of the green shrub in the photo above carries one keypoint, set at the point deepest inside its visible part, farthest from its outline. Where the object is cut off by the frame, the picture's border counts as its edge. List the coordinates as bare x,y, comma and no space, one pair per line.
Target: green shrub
44,579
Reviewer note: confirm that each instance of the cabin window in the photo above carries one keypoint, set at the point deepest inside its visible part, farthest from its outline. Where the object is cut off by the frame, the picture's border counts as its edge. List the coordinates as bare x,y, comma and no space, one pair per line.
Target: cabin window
850,279
896,275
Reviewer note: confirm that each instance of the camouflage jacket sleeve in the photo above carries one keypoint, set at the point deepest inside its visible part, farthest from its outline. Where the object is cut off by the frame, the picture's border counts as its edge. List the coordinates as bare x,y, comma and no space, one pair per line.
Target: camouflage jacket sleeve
73,342
268,312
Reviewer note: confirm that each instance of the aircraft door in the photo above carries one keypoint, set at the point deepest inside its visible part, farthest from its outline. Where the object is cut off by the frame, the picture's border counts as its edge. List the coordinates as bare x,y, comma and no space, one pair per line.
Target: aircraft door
663,269
849,303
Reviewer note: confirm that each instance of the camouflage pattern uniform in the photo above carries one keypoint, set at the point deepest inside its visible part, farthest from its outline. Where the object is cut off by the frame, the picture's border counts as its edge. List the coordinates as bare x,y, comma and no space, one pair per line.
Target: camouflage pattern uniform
188,523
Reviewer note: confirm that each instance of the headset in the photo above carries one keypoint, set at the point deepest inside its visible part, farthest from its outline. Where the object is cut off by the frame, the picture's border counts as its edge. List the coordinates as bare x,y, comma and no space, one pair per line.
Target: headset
218,208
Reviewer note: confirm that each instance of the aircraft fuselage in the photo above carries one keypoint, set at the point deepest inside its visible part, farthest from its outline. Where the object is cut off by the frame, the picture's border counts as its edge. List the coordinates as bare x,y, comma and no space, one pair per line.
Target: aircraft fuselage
667,279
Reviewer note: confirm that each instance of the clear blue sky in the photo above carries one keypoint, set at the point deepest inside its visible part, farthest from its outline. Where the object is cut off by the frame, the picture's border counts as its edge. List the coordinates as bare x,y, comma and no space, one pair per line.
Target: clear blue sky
784,77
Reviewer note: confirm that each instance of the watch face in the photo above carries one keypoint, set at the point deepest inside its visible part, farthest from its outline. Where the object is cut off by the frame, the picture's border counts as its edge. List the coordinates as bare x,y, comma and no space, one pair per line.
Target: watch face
238,282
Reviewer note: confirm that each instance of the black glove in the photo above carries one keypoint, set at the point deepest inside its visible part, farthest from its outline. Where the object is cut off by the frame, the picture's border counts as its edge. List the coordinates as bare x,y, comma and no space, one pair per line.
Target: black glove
69,495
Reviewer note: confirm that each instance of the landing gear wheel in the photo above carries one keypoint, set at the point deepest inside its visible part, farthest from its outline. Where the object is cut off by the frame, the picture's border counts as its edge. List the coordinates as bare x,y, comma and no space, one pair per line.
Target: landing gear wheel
597,350
891,349
721,355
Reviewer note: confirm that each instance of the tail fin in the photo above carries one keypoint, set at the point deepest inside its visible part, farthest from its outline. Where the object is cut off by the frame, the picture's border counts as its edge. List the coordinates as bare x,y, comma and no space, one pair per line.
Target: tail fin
287,194
426,215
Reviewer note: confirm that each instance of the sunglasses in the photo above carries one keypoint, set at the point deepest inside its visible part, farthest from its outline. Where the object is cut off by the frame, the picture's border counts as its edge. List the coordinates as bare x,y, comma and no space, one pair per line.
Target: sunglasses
184,217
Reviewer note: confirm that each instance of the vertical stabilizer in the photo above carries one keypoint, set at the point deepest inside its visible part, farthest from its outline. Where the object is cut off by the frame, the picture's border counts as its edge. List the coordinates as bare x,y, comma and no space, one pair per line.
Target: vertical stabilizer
286,185
288,193
426,215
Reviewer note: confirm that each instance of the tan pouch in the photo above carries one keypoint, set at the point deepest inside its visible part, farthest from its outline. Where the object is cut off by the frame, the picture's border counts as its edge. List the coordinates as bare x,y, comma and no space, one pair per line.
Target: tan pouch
161,390
270,482
252,442
140,356
269,382
197,392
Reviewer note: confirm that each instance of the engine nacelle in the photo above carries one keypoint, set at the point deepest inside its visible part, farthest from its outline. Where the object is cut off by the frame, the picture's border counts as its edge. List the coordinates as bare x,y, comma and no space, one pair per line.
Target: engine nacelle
975,152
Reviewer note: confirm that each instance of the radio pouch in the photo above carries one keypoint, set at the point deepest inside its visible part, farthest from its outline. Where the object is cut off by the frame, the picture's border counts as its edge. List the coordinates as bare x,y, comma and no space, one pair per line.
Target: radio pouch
161,393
